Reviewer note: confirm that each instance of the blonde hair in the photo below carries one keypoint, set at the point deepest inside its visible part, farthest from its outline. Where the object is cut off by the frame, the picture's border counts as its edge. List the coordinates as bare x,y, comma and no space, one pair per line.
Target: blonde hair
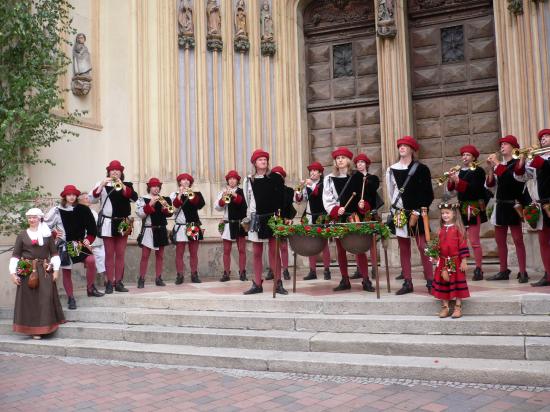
457,221
350,166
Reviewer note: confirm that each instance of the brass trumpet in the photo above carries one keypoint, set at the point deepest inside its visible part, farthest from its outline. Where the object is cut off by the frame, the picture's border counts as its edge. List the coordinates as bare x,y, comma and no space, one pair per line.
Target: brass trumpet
473,166
300,187
228,195
189,193
442,179
530,152
117,184
165,204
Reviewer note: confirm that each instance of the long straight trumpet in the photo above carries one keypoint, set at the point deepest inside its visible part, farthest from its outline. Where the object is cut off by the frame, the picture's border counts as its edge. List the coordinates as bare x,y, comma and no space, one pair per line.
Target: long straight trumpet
530,152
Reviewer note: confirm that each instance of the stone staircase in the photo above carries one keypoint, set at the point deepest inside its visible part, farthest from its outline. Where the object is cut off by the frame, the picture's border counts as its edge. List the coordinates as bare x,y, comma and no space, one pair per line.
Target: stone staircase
500,340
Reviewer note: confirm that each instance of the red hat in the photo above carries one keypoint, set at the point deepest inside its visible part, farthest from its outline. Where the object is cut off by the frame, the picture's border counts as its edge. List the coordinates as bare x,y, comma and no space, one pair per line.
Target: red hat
510,140
342,151
185,176
470,148
70,190
280,170
543,132
316,166
363,157
256,154
115,165
154,182
409,141
232,174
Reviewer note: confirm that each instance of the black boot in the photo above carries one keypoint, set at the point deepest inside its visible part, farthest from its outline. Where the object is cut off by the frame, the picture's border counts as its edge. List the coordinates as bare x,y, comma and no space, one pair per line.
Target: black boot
159,281
179,278
501,275
523,277
344,285
311,275
544,281
400,277
286,274
119,287
478,274
254,289
326,274
242,276
141,283
108,288
406,288
280,289
94,292
367,286
429,286
225,277
71,303
356,275
195,277
269,275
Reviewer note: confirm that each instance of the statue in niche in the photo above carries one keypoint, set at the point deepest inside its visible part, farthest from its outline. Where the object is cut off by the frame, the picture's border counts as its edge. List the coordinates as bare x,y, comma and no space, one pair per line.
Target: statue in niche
241,42
186,27
268,46
214,18
82,67
385,21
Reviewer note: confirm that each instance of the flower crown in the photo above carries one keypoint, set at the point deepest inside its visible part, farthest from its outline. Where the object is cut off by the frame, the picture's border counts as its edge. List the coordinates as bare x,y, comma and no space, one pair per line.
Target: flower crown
446,205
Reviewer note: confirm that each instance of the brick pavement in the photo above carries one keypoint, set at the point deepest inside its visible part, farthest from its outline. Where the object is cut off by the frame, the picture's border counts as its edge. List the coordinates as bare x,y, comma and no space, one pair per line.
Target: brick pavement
38,383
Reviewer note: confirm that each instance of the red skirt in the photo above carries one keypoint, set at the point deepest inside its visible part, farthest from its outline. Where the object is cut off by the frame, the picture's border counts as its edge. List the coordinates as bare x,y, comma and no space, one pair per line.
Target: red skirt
456,287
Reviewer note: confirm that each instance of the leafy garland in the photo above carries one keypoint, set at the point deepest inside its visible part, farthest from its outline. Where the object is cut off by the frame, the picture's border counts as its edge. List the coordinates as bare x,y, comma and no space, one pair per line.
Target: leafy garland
432,248
531,214
327,230
24,267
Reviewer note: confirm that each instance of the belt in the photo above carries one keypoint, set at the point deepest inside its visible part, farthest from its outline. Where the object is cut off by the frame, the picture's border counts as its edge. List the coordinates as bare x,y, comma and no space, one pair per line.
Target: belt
232,221
506,202
154,227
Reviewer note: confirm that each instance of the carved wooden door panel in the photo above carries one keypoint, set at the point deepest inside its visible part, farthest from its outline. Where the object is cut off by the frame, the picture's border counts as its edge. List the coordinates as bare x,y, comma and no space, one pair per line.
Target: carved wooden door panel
341,77
454,79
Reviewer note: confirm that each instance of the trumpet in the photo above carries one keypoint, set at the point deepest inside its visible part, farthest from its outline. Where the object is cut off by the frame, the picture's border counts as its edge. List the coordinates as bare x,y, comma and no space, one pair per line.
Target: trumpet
165,204
228,195
442,179
117,184
530,152
473,166
300,187
189,193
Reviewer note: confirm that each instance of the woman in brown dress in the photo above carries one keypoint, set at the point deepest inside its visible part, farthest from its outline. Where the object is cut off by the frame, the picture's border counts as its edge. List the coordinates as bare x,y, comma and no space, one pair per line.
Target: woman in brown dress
37,311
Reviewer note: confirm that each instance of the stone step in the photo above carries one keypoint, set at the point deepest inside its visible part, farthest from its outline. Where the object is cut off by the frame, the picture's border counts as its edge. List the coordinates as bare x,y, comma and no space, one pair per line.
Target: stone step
512,372
484,347
510,325
337,304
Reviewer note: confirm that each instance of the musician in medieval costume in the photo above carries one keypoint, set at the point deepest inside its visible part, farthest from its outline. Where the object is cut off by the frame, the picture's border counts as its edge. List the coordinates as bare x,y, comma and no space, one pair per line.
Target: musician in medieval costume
508,211
537,170
114,222
231,202
75,229
153,209
468,184
340,199
409,185
264,195
37,311
312,194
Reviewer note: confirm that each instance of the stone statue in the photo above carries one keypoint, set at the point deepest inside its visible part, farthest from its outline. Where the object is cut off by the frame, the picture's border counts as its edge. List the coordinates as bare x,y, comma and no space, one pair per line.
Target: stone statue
385,21
266,22
213,18
82,67
185,19
240,20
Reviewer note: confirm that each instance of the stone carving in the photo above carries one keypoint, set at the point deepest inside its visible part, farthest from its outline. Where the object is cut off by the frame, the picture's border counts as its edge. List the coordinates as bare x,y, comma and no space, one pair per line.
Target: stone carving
214,26
515,7
323,13
82,67
241,42
268,46
385,22
186,27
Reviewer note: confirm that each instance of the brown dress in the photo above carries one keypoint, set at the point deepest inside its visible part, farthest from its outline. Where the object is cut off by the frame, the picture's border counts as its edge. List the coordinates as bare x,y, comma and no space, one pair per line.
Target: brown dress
37,311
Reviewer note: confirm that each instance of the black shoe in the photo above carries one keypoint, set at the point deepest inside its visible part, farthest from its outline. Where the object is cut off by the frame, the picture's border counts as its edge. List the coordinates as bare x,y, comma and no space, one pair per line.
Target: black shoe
311,275
400,277
286,274
119,287
242,276
544,281
225,277
478,274
94,292
280,289
326,274
523,277
344,285
356,275
195,277
269,275
367,286
254,289
108,288
406,288
501,275
159,281
179,278
429,286
141,283
72,303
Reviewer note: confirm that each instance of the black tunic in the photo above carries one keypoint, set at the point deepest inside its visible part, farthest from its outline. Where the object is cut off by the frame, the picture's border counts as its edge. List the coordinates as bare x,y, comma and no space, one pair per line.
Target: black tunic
158,224
288,212
372,183
235,214
78,223
120,205
543,187
475,191
269,197
316,206
509,191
